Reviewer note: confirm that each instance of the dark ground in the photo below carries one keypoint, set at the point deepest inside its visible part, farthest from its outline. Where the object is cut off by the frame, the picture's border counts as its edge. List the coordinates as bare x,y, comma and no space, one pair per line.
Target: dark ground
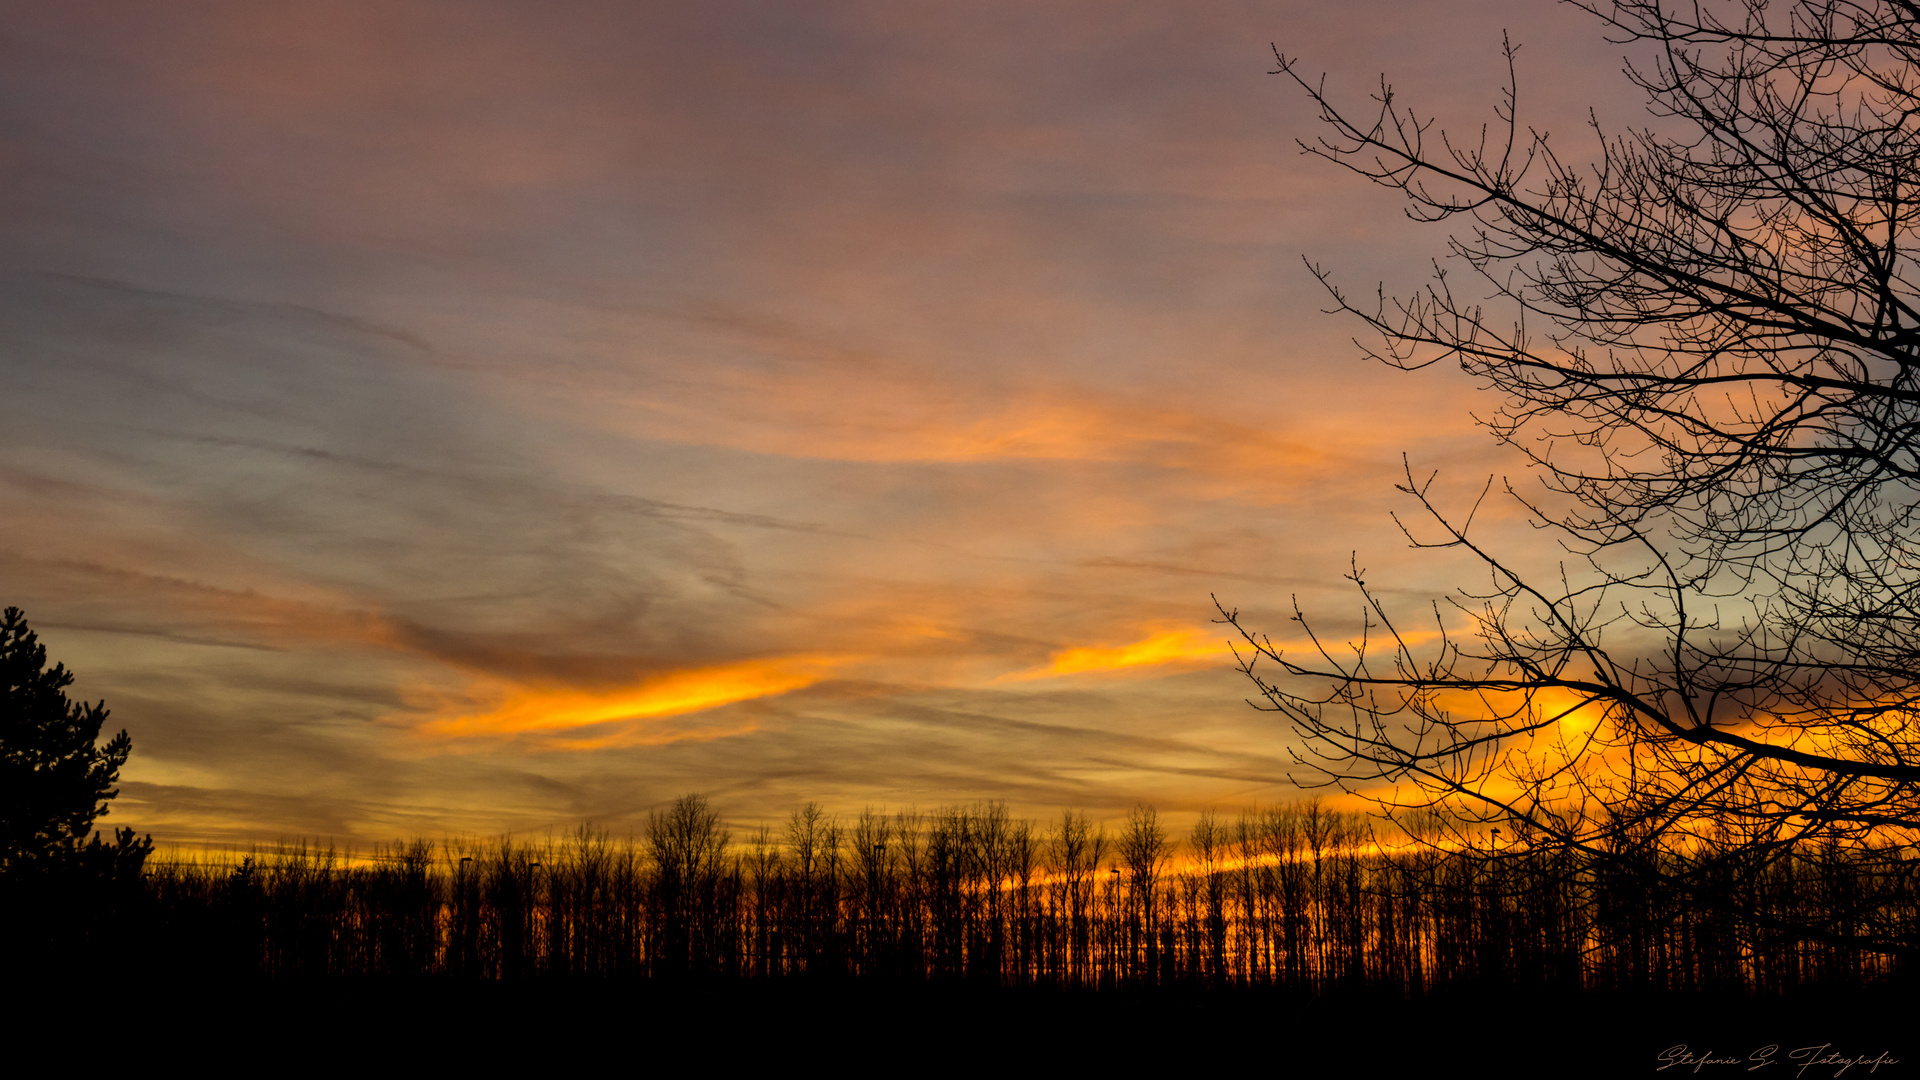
801,1027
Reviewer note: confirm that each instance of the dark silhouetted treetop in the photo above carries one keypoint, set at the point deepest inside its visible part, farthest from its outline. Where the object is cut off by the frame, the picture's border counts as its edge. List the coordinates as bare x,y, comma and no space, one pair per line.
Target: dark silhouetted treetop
54,780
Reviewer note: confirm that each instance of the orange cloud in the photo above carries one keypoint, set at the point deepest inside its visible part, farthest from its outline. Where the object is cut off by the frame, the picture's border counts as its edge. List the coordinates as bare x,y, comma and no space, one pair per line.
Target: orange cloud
892,415
600,718
1166,647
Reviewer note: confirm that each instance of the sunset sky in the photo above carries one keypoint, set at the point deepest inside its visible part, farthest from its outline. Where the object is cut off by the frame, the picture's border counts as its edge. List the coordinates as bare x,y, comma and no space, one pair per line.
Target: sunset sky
447,418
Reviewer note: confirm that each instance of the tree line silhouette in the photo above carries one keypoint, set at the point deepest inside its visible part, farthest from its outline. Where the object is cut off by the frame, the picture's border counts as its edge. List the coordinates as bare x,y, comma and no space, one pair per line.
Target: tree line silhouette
1296,896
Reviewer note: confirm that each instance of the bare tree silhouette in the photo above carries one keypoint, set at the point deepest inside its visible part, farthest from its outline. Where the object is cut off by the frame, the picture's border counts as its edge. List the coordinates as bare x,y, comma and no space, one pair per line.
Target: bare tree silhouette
1074,850
694,887
1708,347
1143,851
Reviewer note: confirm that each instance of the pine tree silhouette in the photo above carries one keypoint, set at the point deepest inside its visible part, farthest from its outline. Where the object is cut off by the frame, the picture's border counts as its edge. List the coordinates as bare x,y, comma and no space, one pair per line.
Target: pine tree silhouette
54,780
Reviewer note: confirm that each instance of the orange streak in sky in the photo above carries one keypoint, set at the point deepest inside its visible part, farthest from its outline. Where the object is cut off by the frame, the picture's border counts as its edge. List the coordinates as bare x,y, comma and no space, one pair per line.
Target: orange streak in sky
552,710
1166,647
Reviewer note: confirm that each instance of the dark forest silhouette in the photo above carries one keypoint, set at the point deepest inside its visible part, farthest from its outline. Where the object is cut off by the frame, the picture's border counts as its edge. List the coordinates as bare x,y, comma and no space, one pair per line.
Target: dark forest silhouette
1294,896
